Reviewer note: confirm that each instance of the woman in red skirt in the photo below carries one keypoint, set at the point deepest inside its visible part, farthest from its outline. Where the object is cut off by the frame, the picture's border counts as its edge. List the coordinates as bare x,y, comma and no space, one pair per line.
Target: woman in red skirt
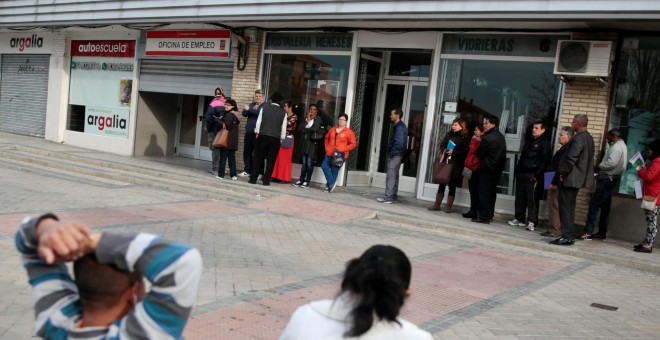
282,170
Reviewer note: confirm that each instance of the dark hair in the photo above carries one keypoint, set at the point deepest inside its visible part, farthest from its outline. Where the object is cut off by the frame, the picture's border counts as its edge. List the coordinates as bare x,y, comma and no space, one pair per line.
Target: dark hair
615,133
314,105
655,149
343,115
288,103
479,126
101,285
233,103
495,120
378,280
222,92
540,122
398,112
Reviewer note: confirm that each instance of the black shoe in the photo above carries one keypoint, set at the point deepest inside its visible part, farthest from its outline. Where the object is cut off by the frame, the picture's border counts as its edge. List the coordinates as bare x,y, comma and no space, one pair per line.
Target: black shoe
562,242
478,220
643,249
638,246
469,214
548,234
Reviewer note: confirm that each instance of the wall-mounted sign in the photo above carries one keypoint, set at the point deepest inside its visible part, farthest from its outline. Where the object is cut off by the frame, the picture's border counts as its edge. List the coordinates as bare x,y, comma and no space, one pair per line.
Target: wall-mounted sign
310,41
106,121
188,43
26,43
521,45
103,48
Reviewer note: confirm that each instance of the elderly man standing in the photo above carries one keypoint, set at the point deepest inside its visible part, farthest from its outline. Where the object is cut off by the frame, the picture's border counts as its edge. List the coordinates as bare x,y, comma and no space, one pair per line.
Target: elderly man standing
249,141
270,130
575,171
609,172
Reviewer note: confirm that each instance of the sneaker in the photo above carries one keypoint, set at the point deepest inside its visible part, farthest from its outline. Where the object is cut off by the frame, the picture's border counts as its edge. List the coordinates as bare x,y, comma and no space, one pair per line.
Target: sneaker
305,185
585,236
530,226
385,200
332,188
297,184
218,177
244,174
517,223
260,177
233,178
562,242
326,189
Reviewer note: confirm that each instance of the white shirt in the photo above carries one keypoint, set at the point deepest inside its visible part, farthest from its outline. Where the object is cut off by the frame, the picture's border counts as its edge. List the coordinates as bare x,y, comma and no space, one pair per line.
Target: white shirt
329,319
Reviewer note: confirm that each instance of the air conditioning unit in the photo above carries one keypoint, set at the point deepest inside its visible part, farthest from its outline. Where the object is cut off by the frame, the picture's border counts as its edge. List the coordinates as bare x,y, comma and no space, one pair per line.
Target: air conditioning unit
581,58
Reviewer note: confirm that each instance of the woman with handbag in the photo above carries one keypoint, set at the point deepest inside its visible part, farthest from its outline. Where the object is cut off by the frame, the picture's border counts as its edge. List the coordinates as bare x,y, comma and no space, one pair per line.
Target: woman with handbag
229,122
339,141
459,136
313,135
471,171
651,178
282,170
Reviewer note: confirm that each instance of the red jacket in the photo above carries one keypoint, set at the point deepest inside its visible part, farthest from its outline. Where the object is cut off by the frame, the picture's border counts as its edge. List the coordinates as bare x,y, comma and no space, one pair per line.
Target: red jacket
651,178
344,141
472,162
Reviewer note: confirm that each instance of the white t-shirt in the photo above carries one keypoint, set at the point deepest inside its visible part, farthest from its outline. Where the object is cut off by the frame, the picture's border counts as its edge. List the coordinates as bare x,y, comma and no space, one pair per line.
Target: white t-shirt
329,319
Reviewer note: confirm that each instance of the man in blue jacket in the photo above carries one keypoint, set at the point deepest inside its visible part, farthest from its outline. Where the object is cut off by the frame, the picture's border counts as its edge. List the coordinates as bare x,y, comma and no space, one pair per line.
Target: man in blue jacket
249,141
395,151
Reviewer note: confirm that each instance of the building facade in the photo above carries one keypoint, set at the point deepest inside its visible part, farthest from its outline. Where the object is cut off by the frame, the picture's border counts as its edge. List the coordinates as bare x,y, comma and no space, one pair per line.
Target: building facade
135,78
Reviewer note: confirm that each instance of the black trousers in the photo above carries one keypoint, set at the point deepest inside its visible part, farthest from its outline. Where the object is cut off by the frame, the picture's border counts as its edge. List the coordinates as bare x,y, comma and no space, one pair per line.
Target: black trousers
567,199
488,186
248,148
473,185
527,200
266,148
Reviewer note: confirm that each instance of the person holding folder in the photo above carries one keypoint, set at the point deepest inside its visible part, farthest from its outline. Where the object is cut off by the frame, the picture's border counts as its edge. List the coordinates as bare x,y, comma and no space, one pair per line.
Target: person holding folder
455,145
554,226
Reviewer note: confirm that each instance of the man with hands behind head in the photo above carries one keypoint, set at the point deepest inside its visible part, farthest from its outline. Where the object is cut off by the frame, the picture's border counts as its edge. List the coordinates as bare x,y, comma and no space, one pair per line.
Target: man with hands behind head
107,299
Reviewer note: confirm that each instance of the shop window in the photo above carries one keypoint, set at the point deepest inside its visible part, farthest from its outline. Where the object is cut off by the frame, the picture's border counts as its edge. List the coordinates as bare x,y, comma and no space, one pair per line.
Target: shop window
410,64
308,79
518,92
636,104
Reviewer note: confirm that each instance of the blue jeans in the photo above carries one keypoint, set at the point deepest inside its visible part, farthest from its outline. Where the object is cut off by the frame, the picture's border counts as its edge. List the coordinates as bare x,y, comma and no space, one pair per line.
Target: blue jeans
330,171
306,169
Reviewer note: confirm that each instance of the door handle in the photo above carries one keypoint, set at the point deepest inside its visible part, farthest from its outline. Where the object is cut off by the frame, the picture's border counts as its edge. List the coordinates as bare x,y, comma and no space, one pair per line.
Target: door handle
201,118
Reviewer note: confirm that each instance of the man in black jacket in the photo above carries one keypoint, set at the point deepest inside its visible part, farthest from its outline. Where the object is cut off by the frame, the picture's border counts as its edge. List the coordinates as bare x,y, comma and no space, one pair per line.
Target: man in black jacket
492,153
533,161
270,130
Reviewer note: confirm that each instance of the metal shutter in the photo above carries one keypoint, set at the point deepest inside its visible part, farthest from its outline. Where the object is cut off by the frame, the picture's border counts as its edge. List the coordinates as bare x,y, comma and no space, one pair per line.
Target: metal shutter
23,94
194,77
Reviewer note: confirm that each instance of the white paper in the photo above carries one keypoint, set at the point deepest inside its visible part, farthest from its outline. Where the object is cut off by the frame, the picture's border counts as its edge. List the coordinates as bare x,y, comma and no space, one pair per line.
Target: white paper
638,189
637,160
448,118
451,106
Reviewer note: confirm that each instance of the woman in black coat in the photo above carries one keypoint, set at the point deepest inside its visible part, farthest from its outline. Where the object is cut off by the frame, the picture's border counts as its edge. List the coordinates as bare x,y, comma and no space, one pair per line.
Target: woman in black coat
460,137
229,122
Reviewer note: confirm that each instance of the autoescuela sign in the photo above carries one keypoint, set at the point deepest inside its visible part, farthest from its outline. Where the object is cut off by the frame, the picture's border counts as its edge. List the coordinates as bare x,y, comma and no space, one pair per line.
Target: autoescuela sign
26,43
188,43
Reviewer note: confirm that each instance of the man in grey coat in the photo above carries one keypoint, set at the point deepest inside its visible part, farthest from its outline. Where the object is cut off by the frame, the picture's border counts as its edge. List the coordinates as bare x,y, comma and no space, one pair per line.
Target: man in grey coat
576,169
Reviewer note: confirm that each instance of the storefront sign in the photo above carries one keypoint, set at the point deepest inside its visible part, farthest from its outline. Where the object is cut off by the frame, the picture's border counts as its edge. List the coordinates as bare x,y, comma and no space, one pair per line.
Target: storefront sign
106,121
189,43
26,43
520,45
310,41
103,48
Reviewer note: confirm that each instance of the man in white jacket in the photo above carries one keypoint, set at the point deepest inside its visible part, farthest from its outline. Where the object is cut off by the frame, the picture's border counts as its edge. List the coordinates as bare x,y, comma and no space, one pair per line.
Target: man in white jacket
607,179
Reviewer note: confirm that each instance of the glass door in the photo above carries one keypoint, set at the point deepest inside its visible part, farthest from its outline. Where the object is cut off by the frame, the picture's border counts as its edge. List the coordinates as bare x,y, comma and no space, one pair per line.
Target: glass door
192,136
411,97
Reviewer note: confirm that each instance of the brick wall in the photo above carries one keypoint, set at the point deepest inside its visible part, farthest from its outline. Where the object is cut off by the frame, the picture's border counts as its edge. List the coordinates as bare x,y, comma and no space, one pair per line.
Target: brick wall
592,97
243,85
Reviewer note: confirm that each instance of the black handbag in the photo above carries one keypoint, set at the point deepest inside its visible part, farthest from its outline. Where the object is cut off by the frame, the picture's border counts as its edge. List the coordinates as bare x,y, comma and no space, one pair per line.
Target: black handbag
338,158
287,142
318,134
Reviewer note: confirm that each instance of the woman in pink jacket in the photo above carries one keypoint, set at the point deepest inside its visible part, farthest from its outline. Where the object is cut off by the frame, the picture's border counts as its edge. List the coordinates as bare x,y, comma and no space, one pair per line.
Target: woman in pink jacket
651,178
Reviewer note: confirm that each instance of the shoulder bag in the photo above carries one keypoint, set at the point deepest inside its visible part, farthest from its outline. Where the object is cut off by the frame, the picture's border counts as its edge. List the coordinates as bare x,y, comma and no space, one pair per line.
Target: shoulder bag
649,202
221,138
287,142
318,134
338,157
442,170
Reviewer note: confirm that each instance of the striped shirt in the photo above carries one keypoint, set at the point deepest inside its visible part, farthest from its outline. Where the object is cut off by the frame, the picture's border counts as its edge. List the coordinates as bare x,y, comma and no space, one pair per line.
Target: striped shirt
173,269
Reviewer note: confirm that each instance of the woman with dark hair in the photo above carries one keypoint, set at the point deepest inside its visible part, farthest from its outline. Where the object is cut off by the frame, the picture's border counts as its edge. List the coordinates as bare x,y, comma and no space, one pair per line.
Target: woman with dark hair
472,163
282,170
651,179
214,112
342,139
459,136
374,288
229,121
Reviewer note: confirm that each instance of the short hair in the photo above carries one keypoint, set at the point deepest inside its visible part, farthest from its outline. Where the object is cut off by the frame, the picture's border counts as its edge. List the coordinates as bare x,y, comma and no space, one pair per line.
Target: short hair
288,103
101,285
568,130
258,91
581,119
615,132
398,112
343,115
495,120
543,126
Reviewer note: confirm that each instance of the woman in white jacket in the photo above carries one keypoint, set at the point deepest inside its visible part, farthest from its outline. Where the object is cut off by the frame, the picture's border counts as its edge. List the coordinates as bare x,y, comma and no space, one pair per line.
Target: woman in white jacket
374,288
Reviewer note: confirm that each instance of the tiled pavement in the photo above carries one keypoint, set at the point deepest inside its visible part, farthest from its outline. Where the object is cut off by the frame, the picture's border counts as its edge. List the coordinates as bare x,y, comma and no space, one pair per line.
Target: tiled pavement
287,246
